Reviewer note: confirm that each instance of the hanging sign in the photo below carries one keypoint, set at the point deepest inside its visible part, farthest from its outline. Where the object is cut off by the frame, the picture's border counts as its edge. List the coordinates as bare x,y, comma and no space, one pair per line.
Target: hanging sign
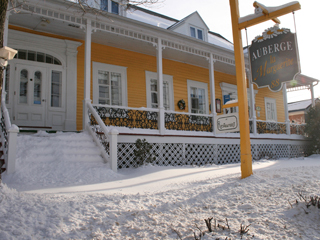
227,123
274,58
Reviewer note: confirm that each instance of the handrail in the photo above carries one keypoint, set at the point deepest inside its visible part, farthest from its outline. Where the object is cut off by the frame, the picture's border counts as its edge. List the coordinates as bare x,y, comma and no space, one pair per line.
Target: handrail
98,119
109,153
187,113
5,113
127,108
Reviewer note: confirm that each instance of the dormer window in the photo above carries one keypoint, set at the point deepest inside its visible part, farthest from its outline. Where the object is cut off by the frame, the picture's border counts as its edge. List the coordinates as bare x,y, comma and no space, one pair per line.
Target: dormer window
109,6
196,33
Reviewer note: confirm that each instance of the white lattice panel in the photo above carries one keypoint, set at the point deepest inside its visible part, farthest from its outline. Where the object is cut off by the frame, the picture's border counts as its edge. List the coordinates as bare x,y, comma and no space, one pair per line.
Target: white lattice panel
173,154
200,154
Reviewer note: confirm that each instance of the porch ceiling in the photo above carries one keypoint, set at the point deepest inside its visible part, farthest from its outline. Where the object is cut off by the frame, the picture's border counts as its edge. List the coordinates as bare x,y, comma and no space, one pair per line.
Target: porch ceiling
62,28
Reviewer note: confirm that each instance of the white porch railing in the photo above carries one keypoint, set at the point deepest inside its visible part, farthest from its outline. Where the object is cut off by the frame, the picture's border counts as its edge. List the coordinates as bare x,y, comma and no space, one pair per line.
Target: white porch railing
104,138
9,134
148,118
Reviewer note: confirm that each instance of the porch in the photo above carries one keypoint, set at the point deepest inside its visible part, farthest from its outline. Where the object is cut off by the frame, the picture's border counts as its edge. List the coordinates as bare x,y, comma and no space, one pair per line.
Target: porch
148,121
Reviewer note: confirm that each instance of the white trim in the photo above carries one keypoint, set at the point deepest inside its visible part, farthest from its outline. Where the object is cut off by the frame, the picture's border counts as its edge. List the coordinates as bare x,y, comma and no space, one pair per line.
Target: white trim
270,100
166,78
192,83
113,68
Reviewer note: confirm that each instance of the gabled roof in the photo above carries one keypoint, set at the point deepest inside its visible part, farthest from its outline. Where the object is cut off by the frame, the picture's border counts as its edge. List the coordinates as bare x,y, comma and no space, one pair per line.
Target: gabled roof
165,22
184,19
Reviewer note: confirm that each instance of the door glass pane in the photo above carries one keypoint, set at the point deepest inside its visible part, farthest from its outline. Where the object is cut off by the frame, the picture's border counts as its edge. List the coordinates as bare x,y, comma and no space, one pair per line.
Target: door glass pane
37,87
23,86
56,89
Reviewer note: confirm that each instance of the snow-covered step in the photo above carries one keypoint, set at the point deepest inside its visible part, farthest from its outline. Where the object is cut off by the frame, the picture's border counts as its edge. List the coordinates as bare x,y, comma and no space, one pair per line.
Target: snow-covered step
58,159
57,147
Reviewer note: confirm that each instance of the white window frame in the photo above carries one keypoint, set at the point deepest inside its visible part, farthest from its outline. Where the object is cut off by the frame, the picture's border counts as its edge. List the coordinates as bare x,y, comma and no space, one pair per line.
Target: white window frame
166,78
96,66
196,84
109,2
197,28
271,100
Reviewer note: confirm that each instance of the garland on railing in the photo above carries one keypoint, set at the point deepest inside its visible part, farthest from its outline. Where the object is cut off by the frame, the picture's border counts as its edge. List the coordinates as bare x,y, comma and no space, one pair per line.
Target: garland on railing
297,129
271,127
128,117
184,122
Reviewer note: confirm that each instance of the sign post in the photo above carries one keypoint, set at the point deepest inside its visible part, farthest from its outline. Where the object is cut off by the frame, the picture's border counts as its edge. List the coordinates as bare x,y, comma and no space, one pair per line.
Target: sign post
237,26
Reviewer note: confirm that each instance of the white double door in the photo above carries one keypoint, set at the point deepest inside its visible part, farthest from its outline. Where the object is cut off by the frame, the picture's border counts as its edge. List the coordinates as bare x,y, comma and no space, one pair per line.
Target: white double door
30,96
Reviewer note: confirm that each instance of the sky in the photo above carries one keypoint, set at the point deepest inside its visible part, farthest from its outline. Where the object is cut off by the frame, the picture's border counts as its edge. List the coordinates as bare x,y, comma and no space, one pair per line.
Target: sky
216,14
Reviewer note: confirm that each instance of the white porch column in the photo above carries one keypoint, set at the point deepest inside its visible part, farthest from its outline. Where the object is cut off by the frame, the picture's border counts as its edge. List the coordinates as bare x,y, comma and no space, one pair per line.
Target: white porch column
161,123
212,91
285,103
252,104
312,95
87,73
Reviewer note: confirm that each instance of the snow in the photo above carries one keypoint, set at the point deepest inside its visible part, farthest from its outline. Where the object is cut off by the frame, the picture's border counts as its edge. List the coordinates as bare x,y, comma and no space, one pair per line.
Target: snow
269,9
301,105
61,197
150,19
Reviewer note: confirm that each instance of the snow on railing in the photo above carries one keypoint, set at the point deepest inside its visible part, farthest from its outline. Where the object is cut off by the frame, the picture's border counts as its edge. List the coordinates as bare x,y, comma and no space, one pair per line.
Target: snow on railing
8,134
105,139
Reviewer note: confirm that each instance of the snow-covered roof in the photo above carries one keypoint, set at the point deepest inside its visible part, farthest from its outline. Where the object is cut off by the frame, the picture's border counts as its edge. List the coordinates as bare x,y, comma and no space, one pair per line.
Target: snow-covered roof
162,21
301,105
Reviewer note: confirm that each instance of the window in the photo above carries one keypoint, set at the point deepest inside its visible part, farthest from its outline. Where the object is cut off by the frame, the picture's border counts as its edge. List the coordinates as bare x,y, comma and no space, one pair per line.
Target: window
198,97
109,84
109,6
23,86
37,57
196,33
115,7
37,87
109,88
152,91
104,5
271,109
56,89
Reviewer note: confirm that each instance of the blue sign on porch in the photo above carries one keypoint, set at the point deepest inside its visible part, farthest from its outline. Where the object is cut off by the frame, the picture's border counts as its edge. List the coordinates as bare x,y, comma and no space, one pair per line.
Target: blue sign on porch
226,98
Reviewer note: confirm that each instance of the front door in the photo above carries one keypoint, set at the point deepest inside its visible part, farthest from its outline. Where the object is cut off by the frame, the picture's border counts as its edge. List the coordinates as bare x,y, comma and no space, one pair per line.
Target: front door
30,96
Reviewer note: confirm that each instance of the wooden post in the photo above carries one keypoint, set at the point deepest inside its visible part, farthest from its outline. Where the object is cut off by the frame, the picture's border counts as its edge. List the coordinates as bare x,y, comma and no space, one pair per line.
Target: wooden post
245,146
